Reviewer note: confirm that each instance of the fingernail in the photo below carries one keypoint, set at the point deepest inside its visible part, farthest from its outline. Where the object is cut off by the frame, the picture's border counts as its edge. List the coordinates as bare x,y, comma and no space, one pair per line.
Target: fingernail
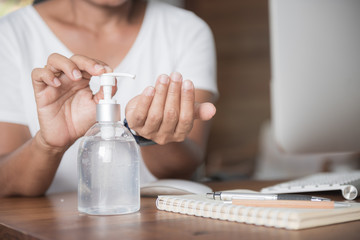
98,67
164,79
76,74
187,85
176,77
57,82
149,91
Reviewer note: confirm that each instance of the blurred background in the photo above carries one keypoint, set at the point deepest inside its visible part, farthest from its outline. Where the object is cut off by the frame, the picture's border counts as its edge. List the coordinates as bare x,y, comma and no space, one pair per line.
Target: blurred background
7,6
241,143
241,32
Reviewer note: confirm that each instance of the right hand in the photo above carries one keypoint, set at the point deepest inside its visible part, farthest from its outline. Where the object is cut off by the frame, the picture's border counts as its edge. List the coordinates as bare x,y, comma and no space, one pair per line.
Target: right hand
167,112
65,104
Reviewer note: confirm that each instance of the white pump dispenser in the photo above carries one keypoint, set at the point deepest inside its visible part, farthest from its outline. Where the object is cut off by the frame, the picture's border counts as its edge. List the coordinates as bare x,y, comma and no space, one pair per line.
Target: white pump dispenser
108,160
108,110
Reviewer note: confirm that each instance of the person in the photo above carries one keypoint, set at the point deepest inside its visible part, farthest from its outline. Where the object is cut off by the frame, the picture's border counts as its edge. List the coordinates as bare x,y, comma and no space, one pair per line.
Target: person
51,56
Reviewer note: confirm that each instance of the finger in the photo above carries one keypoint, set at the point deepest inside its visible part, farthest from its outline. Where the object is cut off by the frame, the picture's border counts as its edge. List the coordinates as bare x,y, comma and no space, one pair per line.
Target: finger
136,114
92,66
60,64
155,115
108,69
43,77
45,85
186,118
87,75
204,111
172,105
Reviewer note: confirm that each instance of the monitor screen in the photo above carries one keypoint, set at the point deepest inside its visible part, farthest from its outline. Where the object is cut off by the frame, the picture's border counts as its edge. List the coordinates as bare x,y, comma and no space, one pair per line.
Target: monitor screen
315,79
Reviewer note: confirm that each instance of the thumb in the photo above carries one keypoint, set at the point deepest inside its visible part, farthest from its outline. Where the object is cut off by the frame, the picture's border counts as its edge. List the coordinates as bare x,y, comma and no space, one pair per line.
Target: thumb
131,105
204,111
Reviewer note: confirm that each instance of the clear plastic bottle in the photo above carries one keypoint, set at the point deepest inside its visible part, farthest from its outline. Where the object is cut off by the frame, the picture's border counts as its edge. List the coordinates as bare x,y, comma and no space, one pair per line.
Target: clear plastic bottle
108,164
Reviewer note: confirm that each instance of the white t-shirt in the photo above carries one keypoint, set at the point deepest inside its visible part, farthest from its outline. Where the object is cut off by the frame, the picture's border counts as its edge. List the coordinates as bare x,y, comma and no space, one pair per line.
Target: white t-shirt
170,39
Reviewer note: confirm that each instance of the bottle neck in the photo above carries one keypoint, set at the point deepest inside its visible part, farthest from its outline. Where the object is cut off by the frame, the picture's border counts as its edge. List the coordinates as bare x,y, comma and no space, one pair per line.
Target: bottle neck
106,112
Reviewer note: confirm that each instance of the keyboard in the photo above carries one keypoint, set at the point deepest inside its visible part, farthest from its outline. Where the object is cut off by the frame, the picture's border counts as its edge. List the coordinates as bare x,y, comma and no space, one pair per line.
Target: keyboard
347,182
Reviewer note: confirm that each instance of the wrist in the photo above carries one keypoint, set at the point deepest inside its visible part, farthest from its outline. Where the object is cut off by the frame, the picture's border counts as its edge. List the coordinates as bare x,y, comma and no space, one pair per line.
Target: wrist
139,139
41,144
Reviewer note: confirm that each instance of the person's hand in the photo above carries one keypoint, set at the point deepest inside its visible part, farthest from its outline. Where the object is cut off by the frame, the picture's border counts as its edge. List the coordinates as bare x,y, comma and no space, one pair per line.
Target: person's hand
167,112
65,103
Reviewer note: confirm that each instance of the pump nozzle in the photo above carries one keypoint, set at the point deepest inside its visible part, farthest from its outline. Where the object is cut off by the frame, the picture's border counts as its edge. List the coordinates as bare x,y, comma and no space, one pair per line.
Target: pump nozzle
114,74
107,81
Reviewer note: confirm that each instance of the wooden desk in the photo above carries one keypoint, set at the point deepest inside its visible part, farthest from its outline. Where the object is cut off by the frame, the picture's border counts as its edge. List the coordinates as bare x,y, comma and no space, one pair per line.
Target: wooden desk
56,217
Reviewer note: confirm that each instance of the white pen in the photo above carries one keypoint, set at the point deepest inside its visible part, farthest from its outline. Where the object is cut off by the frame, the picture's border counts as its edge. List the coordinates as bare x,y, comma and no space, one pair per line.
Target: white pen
227,196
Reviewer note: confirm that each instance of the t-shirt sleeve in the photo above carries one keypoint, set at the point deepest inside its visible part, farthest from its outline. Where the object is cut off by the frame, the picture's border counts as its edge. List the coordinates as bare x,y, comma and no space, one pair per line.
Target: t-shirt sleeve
11,104
197,55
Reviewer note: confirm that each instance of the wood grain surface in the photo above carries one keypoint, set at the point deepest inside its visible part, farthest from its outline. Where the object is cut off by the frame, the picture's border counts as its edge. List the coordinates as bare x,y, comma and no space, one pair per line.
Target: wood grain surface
56,217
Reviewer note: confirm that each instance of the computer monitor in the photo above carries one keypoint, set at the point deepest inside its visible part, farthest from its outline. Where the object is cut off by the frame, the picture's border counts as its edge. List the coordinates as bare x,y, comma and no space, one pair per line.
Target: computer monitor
315,82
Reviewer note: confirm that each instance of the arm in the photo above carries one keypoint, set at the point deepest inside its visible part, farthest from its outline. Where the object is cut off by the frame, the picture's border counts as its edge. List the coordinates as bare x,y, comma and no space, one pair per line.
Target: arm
27,166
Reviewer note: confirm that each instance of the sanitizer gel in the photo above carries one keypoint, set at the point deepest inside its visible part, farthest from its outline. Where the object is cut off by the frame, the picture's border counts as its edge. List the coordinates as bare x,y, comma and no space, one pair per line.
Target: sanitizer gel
108,161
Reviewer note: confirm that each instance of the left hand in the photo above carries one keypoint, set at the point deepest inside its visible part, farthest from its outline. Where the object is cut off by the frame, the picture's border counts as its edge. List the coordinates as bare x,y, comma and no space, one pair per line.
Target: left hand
167,112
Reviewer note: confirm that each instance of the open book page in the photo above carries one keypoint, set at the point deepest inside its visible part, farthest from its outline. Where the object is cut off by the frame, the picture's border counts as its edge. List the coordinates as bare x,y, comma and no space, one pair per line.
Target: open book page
199,205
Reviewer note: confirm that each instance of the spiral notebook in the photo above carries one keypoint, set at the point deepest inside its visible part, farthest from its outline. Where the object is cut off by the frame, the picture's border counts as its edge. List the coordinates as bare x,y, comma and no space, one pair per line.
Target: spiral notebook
292,219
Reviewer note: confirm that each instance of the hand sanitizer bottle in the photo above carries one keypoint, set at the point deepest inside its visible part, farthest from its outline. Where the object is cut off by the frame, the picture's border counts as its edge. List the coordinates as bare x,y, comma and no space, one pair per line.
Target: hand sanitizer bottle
108,160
